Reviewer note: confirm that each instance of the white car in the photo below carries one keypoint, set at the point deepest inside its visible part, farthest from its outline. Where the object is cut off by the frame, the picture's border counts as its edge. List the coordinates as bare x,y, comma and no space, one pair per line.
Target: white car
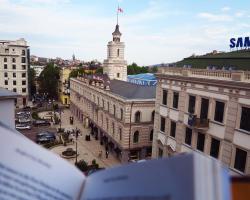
23,127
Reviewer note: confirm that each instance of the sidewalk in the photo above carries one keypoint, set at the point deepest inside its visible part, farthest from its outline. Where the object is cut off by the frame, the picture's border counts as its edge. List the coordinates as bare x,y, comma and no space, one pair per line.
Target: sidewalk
87,150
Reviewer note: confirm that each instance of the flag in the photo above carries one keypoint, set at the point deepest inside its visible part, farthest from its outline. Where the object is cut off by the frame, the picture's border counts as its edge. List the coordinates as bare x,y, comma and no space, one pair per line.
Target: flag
120,10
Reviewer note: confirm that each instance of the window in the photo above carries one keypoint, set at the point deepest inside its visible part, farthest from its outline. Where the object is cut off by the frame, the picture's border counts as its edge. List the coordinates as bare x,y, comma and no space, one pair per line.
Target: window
204,108
136,137
14,75
191,104
118,52
5,59
118,75
5,82
162,124
23,67
114,110
14,82
164,97
108,106
23,52
120,133
23,60
13,66
5,66
151,135
160,153
215,147
137,116
13,60
188,137
121,111
175,100
200,141
240,160
23,82
23,90
173,128
113,127
6,50
103,103
153,116
219,111
23,75
107,123
14,89
245,119
5,74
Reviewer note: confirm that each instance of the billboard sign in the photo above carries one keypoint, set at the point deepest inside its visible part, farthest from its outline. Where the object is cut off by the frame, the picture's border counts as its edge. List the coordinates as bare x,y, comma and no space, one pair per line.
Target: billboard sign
240,42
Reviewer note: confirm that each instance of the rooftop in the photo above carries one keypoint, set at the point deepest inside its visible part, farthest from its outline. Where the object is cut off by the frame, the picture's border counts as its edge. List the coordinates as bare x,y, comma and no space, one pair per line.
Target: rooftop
143,79
132,91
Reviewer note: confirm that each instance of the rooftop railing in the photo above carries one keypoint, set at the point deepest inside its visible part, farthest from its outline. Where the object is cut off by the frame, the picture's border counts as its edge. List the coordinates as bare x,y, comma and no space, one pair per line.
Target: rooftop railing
234,75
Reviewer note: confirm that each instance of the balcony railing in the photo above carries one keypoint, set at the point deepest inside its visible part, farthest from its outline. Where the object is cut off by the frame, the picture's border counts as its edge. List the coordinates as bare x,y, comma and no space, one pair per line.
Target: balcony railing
198,123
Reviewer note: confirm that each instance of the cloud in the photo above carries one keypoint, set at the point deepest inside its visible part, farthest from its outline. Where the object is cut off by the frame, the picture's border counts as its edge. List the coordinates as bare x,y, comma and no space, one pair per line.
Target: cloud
215,17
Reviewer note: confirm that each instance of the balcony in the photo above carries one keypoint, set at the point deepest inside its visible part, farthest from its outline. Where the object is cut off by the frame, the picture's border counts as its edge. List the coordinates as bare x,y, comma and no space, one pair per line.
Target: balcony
198,123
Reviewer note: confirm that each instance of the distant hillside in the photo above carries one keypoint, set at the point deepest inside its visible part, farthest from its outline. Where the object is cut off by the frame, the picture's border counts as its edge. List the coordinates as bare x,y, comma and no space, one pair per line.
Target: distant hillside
238,59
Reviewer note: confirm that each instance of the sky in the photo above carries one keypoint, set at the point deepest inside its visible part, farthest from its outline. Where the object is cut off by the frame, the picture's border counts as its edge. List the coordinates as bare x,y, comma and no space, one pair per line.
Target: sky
154,31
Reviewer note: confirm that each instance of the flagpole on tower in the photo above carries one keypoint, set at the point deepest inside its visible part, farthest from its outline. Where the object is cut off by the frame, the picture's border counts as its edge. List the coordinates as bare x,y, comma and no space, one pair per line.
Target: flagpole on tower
117,14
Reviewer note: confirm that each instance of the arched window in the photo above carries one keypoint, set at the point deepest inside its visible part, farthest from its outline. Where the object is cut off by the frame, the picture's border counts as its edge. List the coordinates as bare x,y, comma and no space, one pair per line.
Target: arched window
114,109
136,137
137,116
153,116
151,135
121,110
5,59
118,52
120,133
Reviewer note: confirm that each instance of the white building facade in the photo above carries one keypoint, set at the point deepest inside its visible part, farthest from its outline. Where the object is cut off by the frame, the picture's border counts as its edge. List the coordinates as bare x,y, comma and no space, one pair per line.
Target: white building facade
205,111
115,66
14,64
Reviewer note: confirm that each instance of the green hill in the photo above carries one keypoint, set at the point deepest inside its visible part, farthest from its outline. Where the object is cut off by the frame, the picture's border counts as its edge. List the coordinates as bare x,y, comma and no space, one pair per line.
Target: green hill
238,59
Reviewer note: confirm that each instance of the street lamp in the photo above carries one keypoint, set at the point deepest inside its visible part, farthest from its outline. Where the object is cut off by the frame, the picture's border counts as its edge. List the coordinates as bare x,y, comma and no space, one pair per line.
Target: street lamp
76,135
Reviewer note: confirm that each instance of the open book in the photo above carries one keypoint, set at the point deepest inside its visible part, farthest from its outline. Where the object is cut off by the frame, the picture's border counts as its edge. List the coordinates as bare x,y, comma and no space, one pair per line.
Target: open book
28,171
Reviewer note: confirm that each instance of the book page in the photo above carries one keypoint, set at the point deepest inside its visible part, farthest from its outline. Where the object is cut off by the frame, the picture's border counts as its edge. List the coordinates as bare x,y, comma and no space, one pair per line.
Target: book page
28,171
164,179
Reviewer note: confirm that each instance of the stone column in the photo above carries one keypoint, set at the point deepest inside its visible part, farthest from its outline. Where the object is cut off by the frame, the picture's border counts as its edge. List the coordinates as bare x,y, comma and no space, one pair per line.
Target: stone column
231,118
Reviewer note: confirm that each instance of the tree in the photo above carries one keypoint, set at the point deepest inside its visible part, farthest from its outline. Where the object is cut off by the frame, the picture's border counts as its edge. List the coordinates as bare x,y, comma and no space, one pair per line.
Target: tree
31,81
99,70
48,81
135,69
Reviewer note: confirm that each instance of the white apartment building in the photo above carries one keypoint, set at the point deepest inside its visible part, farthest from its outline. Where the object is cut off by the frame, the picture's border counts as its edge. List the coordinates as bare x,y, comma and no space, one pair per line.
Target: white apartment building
14,63
207,111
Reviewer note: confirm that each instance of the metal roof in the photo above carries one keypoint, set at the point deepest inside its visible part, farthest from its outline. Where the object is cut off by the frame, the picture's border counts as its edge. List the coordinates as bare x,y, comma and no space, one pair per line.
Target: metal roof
132,91
7,94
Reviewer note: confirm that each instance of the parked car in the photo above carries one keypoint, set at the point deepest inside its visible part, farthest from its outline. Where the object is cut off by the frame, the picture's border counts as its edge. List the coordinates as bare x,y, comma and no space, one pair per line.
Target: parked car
23,127
41,123
45,136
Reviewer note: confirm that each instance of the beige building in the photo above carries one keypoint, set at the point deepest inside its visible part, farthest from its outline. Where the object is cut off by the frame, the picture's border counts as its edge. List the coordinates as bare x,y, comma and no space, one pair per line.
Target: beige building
64,93
207,111
120,114
14,61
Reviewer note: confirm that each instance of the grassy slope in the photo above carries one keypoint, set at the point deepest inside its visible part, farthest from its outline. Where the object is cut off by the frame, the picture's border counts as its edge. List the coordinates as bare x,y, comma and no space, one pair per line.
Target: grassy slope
238,59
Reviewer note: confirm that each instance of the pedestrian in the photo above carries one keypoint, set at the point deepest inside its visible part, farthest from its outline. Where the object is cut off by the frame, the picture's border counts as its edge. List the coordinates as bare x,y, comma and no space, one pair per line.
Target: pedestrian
107,154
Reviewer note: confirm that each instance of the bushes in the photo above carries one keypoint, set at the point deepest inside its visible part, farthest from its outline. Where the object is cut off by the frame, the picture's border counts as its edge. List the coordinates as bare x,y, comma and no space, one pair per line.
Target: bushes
35,116
51,144
82,165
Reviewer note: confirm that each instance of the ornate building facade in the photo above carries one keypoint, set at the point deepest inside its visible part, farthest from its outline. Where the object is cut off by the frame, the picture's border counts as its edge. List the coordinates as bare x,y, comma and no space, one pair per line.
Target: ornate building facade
120,114
207,111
